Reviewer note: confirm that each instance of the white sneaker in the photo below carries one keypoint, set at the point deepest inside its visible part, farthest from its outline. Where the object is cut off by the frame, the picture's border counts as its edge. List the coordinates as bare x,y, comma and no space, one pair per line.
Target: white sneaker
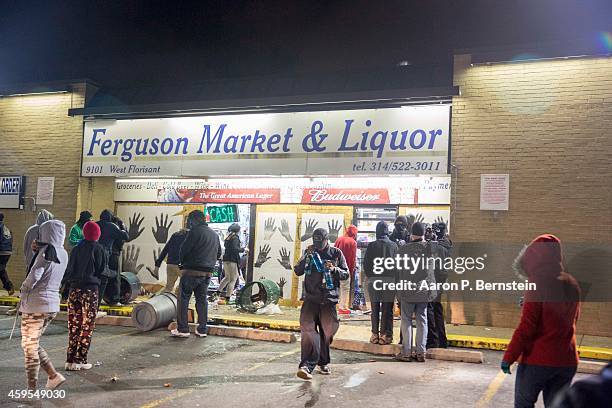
77,366
101,314
55,382
304,373
197,333
176,333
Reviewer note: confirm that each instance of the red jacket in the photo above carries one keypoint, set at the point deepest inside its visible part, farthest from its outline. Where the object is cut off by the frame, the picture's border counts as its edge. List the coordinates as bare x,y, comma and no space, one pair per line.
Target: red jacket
546,334
348,245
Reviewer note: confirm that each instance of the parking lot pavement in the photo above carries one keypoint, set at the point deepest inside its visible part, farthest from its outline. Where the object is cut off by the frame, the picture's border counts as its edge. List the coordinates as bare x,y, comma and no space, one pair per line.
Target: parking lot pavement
154,370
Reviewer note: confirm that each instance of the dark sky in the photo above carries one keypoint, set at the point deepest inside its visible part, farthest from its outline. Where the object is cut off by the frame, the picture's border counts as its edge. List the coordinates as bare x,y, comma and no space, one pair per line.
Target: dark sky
166,41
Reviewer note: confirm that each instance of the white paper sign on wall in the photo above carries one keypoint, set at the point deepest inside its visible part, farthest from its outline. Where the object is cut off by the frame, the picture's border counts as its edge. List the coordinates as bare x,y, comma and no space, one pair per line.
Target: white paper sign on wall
44,190
494,192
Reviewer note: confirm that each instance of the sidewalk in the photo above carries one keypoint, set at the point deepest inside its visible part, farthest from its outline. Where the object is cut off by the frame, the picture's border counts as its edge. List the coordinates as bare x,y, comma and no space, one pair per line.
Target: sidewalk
357,327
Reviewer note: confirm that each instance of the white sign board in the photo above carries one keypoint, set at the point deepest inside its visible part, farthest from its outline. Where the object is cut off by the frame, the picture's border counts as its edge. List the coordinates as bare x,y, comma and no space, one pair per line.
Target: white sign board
406,140
494,192
44,190
12,189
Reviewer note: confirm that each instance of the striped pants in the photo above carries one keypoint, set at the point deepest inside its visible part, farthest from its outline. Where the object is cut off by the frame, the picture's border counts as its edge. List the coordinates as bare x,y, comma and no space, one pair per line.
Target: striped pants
33,326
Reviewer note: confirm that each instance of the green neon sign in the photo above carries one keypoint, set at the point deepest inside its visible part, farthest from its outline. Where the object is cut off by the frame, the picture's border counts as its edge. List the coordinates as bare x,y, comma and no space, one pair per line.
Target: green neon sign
222,214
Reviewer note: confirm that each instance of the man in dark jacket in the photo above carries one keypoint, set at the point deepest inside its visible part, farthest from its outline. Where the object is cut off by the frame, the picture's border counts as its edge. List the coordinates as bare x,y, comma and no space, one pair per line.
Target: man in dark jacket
436,330
198,257
324,267
6,249
109,233
381,300
172,251
231,260
401,231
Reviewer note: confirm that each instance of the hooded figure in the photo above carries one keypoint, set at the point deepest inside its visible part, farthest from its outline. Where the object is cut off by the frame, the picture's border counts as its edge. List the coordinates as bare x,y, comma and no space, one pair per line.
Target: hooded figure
544,343
381,300
401,230
40,289
76,232
31,235
231,260
110,231
348,245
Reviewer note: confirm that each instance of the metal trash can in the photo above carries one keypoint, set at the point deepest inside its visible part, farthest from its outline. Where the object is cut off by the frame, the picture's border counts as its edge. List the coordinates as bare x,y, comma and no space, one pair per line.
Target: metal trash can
156,312
257,294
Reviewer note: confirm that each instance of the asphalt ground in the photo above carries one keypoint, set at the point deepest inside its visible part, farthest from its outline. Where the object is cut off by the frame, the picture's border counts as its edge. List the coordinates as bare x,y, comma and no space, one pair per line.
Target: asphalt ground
155,370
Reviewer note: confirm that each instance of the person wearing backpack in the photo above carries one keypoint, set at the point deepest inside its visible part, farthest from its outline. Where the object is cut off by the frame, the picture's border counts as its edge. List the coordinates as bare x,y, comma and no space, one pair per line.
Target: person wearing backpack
6,250
84,274
420,274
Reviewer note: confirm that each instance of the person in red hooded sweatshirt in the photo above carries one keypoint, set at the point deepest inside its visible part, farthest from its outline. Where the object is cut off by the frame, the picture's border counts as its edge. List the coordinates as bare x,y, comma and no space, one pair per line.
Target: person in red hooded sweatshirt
347,244
544,343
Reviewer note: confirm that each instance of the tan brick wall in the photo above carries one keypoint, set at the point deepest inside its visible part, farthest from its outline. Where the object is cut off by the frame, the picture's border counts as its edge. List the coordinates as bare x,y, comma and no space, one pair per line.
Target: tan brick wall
549,125
37,139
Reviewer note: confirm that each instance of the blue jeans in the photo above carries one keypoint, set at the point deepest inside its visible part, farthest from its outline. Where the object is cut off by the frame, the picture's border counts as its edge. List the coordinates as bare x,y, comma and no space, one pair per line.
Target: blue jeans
420,311
197,285
533,379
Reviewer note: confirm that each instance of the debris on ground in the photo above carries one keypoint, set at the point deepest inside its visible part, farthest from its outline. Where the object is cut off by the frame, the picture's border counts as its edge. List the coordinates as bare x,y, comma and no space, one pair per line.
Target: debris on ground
155,355
381,372
271,309
97,364
167,385
114,379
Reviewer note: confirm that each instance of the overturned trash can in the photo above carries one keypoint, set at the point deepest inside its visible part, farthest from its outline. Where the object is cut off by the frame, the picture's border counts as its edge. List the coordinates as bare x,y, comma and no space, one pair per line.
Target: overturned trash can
129,289
257,294
156,312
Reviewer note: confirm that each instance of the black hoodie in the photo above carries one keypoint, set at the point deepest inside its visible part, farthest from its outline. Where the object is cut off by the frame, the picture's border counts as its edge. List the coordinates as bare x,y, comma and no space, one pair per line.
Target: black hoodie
109,231
86,264
383,247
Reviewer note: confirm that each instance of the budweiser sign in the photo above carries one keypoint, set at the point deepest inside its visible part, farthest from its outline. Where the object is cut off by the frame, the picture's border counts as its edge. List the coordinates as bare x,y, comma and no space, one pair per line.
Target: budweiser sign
345,196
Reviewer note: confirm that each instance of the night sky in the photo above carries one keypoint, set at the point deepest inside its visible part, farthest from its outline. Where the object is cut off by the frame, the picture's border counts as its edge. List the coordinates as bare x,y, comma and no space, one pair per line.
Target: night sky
166,41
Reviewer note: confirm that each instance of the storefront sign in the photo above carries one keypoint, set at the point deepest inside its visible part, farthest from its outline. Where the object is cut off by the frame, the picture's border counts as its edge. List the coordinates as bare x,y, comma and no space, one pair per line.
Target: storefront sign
243,196
289,190
12,190
494,192
222,214
345,196
406,140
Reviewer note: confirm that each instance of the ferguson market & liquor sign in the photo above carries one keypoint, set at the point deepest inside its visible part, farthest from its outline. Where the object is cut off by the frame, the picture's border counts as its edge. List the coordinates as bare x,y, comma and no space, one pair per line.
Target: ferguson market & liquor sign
406,140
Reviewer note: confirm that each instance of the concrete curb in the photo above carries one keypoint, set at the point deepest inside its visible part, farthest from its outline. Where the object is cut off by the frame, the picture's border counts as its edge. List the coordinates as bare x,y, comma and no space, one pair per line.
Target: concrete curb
465,356
244,333
590,367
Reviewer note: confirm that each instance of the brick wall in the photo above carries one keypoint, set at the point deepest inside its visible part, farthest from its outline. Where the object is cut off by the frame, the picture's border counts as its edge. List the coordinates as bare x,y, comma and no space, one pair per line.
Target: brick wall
37,139
549,125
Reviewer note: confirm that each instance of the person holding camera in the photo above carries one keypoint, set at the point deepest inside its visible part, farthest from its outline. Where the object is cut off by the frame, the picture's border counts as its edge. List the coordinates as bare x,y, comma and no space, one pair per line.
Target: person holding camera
323,267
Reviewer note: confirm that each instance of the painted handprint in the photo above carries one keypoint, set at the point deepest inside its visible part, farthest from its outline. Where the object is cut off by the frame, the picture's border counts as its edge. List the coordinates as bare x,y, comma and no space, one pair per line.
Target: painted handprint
440,220
262,256
161,229
414,218
334,229
134,229
155,271
281,283
310,227
269,228
129,259
284,230
285,258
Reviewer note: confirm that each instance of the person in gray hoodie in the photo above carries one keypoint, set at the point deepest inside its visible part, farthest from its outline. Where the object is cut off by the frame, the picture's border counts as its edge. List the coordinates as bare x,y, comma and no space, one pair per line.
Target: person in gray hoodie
31,235
40,301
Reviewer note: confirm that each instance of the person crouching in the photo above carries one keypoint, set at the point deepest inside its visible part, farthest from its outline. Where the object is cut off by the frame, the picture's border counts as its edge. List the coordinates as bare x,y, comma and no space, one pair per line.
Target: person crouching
324,267
84,275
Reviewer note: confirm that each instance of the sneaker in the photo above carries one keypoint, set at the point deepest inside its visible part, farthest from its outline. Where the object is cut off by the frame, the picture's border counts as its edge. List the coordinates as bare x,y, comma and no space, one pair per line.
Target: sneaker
176,333
101,314
325,370
385,340
374,338
77,366
406,358
55,382
11,292
304,373
197,333
344,311
420,357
